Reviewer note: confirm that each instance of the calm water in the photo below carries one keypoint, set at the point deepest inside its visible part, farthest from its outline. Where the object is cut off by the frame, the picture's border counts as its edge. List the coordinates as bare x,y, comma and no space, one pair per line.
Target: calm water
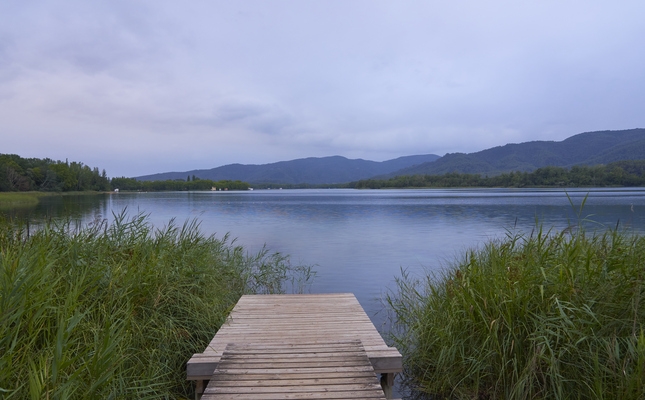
359,240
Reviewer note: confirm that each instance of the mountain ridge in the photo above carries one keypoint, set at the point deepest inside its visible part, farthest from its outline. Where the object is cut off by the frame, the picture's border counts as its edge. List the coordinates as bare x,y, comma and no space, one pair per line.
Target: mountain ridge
587,148
311,170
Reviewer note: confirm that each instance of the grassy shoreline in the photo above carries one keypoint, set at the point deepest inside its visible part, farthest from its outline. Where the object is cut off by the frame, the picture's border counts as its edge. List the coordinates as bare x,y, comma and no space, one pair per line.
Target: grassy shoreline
550,315
115,310
10,200
14,200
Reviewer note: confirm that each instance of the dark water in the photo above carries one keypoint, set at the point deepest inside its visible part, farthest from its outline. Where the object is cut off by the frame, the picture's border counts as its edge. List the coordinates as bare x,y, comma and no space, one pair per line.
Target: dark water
79,207
358,240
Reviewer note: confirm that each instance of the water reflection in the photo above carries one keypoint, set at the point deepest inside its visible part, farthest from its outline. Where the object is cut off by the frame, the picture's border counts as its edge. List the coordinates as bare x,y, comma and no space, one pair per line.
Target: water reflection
81,207
359,240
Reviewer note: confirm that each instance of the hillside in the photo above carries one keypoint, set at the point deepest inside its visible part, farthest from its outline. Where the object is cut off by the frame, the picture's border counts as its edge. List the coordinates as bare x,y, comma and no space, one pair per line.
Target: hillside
325,170
588,148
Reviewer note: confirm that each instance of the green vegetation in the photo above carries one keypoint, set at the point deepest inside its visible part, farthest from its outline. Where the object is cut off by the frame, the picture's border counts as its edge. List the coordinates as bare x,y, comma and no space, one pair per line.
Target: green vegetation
9,200
115,310
540,316
19,174
177,185
32,174
621,173
590,148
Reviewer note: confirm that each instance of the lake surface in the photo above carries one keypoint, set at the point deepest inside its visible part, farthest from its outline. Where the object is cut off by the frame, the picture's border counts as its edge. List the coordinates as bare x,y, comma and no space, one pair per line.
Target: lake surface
358,240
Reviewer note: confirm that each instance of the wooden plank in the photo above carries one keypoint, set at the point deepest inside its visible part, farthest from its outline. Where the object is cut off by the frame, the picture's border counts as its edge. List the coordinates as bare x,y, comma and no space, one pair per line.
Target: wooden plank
297,319
201,366
296,396
290,378
300,379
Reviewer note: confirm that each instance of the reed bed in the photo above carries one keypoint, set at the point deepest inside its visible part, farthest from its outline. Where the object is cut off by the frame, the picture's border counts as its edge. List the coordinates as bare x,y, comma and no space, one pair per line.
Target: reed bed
548,315
115,310
11,200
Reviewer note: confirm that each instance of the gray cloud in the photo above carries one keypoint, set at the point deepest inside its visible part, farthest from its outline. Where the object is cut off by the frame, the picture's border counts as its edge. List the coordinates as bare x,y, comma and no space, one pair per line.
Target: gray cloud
169,86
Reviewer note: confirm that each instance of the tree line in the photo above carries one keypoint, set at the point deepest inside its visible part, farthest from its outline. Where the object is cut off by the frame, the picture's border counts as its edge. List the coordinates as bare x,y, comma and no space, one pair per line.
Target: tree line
19,174
131,184
620,173
33,174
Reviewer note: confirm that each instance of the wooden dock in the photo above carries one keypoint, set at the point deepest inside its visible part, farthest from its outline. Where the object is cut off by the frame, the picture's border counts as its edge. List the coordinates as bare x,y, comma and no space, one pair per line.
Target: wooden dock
296,346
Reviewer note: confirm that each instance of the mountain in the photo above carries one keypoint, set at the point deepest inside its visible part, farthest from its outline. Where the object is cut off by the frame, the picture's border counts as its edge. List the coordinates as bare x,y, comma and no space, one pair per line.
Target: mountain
325,170
588,148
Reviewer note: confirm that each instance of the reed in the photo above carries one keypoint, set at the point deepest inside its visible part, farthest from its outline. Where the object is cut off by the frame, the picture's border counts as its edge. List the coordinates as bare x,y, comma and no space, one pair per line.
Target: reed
11,200
115,310
548,315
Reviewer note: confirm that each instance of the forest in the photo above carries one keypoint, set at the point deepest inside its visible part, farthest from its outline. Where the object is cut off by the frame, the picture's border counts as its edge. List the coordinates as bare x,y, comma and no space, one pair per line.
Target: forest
19,174
620,173
131,184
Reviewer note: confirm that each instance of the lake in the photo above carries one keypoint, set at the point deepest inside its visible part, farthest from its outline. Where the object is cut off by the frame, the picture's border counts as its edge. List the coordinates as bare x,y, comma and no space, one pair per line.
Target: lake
358,240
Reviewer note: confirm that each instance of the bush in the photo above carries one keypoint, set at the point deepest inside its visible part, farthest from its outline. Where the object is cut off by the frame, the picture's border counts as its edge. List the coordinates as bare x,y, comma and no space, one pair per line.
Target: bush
540,316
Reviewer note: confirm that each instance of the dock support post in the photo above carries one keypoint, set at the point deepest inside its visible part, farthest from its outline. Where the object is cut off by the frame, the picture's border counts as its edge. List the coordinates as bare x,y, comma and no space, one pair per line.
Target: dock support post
199,389
387,383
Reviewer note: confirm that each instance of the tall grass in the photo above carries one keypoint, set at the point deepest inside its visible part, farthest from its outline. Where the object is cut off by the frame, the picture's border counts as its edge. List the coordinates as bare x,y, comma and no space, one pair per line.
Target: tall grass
550,315
115,310
11,200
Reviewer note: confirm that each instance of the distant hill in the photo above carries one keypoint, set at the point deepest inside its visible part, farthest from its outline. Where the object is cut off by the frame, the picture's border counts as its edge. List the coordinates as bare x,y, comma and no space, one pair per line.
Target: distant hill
325,170
588,148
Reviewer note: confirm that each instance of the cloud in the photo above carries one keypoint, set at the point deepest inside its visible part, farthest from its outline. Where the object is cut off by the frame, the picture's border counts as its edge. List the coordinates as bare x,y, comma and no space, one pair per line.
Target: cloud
203,84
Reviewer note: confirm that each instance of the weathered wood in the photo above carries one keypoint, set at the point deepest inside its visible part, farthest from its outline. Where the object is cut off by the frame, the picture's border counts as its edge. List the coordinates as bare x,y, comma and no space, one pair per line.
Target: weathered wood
202,365
309,328
293,378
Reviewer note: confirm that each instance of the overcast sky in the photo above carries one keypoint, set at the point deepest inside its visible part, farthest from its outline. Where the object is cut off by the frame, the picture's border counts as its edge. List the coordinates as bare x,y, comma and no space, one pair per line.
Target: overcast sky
139,87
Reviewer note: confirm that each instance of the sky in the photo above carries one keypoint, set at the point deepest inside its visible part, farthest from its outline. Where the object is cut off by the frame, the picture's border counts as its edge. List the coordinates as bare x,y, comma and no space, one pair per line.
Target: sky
137,87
